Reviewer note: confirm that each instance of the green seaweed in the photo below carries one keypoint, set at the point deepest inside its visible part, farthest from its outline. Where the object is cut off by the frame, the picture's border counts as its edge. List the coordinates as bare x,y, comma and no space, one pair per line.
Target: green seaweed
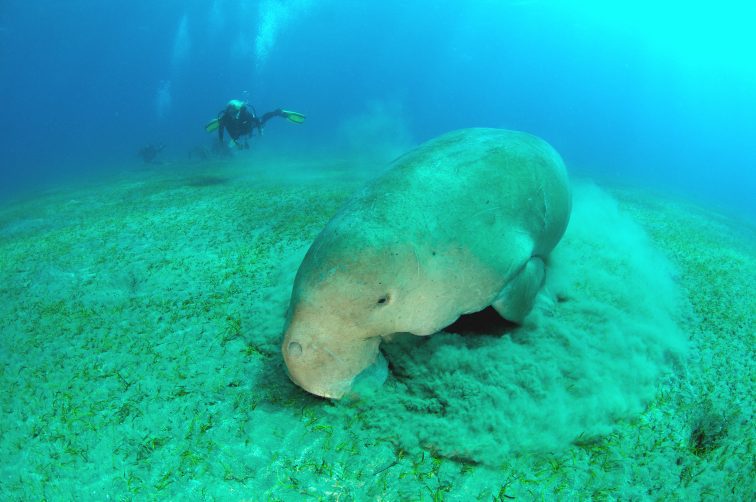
140,357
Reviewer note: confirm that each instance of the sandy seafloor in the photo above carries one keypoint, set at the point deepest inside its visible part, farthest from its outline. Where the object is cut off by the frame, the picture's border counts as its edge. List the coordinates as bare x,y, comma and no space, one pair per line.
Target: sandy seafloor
141,324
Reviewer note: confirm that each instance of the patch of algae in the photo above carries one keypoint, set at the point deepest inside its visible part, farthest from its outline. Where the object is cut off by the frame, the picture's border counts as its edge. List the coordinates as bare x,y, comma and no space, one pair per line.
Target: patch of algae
130,329
709,408
141,359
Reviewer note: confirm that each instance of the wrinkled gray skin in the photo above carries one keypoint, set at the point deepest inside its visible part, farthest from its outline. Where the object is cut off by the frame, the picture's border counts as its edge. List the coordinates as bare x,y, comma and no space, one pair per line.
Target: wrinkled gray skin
460,223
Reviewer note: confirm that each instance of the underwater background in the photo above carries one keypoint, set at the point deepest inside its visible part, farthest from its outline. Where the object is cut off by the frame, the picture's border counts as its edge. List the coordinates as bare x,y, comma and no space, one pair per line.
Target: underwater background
661,94
142,299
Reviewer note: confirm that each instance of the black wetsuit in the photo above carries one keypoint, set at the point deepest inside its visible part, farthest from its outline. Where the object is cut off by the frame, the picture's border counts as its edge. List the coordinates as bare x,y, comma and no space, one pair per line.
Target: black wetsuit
241,122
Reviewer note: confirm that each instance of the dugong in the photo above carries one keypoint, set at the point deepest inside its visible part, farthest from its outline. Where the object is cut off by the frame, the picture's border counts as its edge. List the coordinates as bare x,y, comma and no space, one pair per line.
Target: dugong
462,222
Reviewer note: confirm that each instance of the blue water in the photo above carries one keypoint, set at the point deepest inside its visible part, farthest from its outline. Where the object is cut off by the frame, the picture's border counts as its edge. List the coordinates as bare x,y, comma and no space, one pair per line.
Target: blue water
637,93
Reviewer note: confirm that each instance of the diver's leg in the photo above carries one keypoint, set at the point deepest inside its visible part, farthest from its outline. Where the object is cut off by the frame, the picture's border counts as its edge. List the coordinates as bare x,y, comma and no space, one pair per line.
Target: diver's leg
269,115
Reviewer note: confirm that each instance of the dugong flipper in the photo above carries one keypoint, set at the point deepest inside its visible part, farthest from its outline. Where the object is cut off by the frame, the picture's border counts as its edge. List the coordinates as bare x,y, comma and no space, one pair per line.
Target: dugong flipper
462,222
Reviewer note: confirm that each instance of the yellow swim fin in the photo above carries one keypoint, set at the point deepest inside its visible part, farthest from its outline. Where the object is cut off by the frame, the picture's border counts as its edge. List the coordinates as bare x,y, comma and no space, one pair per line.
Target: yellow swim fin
212,125
295,117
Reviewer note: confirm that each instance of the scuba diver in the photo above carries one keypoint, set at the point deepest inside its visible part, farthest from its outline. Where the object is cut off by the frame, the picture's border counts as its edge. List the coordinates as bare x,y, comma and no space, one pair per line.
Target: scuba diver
150,152
239,121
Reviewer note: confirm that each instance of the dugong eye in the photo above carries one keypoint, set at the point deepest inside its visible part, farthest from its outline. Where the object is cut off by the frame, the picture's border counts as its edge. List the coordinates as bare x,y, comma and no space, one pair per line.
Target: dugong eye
384,300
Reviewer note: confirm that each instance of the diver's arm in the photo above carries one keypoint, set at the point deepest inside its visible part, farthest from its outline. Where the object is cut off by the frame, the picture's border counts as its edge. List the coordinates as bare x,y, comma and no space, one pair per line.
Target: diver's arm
258,124
250,122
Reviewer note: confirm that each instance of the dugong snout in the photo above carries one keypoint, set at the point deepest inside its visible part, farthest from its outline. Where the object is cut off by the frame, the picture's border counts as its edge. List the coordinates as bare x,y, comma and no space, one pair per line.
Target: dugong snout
319,365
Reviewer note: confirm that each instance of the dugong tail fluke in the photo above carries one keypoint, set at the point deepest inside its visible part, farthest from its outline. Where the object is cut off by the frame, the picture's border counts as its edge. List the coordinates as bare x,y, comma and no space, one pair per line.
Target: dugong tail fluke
462,222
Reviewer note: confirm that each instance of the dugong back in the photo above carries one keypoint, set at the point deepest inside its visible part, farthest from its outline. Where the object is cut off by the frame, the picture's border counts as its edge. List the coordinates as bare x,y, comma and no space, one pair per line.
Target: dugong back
467,183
